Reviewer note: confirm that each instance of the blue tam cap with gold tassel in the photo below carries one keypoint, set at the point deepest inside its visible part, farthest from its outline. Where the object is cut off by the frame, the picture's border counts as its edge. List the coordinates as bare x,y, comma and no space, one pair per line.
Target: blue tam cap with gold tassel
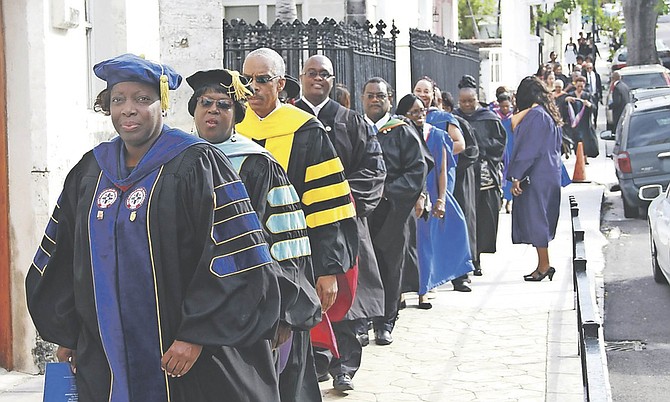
129,67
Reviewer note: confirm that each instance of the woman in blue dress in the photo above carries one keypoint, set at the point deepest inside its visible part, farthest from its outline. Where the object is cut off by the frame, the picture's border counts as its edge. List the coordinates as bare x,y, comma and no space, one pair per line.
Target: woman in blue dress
442,237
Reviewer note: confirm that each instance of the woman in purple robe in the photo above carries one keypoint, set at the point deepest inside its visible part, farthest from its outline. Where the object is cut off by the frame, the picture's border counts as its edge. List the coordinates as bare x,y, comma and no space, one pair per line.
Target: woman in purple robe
535,172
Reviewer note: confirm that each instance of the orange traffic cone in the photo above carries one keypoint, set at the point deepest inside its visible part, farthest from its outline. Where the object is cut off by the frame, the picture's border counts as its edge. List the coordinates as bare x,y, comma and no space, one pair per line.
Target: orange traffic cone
579,175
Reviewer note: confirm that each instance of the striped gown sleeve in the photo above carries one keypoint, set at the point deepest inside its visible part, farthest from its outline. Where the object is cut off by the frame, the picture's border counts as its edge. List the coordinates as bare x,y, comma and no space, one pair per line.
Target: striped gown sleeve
233,298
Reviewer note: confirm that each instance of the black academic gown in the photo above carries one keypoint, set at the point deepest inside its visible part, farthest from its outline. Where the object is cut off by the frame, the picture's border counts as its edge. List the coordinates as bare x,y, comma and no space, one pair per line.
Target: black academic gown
406,169
491,139
361,155
466,186
192,249
279,210
302,147
410,271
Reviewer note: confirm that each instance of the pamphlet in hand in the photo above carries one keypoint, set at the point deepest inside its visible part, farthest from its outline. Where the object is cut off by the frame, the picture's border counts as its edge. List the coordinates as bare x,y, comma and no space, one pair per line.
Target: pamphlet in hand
59,383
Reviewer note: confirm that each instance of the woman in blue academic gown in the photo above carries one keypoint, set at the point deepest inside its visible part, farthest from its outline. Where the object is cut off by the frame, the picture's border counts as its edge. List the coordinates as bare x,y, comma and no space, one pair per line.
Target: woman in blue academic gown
442,237
154,259
536,161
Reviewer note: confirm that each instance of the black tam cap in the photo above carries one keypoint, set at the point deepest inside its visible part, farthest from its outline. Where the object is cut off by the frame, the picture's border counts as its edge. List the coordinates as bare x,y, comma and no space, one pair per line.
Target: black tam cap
228,81
292,87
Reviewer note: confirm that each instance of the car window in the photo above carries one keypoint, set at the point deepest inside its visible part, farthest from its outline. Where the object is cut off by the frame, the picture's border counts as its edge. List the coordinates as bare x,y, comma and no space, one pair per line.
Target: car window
622,56
651,80
649,128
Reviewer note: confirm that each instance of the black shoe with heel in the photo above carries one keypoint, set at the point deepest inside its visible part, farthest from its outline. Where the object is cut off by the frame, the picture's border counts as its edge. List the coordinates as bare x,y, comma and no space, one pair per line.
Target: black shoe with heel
540,276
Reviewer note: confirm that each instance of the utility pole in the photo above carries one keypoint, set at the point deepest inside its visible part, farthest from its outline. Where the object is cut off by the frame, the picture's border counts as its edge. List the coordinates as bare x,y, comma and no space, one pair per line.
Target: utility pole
593,31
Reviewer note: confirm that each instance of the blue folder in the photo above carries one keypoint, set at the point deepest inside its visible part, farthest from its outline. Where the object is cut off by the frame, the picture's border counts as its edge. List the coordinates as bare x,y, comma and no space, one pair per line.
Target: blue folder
59,383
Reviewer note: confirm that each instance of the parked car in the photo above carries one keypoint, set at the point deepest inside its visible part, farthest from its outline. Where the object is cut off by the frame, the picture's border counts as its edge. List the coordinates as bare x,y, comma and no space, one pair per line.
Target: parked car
659,230
647,76
621,56
642,150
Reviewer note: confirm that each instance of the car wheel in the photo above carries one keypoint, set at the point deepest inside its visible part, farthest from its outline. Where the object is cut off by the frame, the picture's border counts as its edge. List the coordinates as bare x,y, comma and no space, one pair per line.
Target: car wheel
629,211
656,269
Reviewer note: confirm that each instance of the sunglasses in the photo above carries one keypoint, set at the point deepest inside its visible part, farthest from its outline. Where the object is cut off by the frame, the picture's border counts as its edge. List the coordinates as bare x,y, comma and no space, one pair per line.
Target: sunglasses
323,74
223,104
260,79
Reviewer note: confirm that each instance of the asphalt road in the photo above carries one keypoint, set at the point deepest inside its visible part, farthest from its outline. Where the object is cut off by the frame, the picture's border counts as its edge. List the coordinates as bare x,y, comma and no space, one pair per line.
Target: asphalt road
637,310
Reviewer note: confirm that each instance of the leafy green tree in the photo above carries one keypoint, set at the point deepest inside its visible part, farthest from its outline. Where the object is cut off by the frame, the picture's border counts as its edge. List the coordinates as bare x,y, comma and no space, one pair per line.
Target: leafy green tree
471,12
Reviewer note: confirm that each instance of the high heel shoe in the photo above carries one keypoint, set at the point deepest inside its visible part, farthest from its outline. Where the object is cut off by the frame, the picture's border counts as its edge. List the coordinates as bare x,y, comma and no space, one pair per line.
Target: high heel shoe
540,276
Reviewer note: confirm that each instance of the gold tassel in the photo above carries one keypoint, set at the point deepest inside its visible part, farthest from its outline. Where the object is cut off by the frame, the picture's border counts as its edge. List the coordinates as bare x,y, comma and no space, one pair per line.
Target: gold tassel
164,88
239,90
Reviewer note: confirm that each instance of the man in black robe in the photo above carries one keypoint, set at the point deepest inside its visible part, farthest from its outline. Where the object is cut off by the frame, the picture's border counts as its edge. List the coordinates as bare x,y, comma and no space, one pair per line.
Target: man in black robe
620,98
361,155
216,105
406,170
150,248
299,142
491,139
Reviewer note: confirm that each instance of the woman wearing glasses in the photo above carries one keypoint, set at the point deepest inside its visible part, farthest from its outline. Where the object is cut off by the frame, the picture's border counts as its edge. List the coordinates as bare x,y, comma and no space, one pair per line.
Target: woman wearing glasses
441,236
216,105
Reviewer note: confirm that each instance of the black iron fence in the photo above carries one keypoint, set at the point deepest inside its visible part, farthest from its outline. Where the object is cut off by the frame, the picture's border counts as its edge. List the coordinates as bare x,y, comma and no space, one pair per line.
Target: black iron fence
442,60
358,52
591,343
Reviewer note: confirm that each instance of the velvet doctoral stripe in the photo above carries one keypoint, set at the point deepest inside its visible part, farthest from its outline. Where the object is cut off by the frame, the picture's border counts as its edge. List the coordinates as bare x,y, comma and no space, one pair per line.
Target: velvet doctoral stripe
125,290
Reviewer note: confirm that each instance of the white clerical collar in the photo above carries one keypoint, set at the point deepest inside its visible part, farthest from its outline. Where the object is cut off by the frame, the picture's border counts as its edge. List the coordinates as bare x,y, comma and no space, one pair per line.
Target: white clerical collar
380,123
277,106
316,109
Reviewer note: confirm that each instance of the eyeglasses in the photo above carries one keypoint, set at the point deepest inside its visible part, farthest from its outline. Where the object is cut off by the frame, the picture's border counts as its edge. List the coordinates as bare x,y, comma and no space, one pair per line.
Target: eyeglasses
223,104
416,113
260,79
380,96
323,74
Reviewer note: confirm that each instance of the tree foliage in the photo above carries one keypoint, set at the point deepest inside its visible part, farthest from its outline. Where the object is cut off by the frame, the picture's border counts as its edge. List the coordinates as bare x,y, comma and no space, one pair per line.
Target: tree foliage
481,9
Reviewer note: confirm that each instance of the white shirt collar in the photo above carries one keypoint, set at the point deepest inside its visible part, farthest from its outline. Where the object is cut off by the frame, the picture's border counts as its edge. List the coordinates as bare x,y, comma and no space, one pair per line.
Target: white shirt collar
277,106
379,124
316,109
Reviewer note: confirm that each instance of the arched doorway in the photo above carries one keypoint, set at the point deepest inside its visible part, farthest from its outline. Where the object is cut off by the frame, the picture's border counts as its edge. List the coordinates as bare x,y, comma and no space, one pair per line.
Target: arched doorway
6,356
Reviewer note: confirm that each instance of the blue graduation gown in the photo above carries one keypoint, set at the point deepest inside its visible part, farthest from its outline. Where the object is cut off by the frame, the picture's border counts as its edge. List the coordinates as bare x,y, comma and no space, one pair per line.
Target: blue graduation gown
444,252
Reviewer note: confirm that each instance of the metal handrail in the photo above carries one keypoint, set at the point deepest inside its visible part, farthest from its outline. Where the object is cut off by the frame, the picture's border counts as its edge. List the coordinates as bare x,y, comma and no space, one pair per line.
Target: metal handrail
591,342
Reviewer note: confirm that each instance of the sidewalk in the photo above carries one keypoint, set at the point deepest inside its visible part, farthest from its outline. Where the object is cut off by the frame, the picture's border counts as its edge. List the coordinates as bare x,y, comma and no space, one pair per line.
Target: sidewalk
508,340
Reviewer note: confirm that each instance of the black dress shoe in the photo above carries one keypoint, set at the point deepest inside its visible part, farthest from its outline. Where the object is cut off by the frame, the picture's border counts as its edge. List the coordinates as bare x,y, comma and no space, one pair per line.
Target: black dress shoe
342,382
363,339
477,272
383,337
425,305
324,377
460,287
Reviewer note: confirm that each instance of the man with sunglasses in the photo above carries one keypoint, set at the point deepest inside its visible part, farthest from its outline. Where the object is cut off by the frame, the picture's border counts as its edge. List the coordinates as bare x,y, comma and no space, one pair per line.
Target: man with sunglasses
407,164
299,142
361,155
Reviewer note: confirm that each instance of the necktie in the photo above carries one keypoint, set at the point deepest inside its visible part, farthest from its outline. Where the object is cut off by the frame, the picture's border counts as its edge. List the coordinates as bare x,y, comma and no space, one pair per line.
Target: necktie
375,129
